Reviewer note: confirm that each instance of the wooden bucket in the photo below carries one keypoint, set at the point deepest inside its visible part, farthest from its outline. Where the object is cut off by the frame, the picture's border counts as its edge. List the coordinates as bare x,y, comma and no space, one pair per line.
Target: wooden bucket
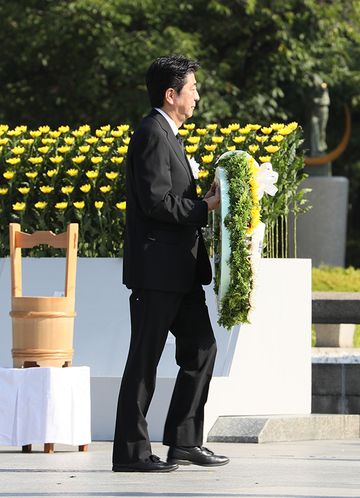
42,327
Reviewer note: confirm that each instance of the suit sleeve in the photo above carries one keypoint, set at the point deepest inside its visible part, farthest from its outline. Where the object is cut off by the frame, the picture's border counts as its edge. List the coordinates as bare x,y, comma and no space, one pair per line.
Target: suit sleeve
153,184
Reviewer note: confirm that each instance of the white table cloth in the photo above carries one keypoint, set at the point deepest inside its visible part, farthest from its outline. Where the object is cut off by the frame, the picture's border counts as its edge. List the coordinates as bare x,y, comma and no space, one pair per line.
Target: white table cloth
45,405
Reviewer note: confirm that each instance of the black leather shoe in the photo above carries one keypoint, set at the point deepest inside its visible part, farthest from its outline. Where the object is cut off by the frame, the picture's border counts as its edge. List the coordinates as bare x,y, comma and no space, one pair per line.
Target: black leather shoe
198,455
151,464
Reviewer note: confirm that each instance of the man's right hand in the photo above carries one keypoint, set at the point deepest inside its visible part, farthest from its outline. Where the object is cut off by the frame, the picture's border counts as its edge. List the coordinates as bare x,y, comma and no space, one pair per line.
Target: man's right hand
213,200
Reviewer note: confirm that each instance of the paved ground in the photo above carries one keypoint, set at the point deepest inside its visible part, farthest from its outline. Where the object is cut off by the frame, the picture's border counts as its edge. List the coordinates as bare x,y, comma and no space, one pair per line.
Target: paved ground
273,470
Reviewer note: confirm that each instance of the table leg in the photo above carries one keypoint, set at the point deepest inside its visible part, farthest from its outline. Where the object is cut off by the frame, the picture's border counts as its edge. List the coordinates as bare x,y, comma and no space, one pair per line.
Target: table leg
27,448
49,448
83,447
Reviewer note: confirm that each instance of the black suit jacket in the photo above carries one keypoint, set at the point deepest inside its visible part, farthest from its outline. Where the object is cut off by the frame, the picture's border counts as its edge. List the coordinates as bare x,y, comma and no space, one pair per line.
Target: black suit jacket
163,247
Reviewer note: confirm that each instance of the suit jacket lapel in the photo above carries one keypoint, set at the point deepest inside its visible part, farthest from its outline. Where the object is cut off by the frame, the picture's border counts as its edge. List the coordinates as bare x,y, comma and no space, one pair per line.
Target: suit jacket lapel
173,142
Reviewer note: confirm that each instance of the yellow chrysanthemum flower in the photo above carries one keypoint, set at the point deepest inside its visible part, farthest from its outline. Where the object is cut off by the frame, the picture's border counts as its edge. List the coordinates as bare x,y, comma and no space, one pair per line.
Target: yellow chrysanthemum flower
98,204
19,206
271,149
201,131
72,172
198,190
56,159
277,126
117,160
265,159
44,129
193,140
31,174
91,140
277,138
67,189
96,159
116,133
262,138
108,140
123,149
245,130
47,141
44,150
69,140
85,128
91,174
55,133
26,141
35,160
123,127
105,189
208,158
61,205
253,148
111,175
13,160
211,126
231,148
105,127
234,126
266,130
63,149
85,188
52,172
79,204
293,125
126,140
40,205
239,140
121,205
24,190
84,149
4,190
46,189
217,140
189,126
225,131
78,159
103,149
4,141
35,133
78,133
100,133
203,173
64,129
191,149
254,127
183,132
9,175
210,148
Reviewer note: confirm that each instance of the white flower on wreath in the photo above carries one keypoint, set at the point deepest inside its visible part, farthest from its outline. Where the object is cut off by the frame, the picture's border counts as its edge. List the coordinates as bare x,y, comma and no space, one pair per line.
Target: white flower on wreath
194,167
266,178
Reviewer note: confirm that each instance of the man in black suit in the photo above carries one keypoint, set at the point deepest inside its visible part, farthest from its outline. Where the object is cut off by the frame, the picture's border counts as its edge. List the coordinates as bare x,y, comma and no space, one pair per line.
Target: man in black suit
165,265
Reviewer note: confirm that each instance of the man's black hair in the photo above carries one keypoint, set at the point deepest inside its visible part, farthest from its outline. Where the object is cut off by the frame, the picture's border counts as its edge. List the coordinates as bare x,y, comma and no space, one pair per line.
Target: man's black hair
168,72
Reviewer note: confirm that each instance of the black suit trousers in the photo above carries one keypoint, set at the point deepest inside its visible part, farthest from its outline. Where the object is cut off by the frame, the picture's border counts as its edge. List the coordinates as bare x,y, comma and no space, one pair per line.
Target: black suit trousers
153,314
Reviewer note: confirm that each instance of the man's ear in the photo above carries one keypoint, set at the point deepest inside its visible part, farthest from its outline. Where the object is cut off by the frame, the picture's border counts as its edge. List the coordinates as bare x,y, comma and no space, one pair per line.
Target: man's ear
169,96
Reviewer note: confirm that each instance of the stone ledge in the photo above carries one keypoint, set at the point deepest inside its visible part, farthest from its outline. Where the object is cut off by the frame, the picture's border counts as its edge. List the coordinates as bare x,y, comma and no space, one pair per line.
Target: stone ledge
266,429
336,307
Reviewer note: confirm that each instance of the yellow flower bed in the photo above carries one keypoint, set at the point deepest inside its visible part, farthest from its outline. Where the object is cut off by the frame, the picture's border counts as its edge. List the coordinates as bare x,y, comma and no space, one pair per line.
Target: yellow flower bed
49,178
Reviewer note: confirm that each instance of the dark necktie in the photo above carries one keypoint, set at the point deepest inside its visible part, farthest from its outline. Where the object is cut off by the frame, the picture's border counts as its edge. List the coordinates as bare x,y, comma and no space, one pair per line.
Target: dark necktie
181,142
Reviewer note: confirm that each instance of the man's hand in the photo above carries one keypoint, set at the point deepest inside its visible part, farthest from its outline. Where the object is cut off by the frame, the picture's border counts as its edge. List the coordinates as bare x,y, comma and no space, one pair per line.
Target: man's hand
212,197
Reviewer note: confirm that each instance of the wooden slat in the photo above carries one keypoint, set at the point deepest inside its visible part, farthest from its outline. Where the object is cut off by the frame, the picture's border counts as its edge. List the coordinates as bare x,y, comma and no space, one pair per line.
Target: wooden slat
15,261
29,240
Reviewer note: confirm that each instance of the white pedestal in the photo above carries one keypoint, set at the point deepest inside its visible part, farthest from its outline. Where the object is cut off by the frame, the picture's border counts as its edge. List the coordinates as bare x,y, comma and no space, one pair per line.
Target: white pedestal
45,405
263,368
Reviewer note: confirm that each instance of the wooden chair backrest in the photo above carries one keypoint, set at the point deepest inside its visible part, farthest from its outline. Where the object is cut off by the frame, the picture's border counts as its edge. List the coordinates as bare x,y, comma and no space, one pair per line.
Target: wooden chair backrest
21,240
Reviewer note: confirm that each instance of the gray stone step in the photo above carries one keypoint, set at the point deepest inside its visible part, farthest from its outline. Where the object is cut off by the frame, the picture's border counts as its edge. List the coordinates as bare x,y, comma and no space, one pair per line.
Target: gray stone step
264,429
